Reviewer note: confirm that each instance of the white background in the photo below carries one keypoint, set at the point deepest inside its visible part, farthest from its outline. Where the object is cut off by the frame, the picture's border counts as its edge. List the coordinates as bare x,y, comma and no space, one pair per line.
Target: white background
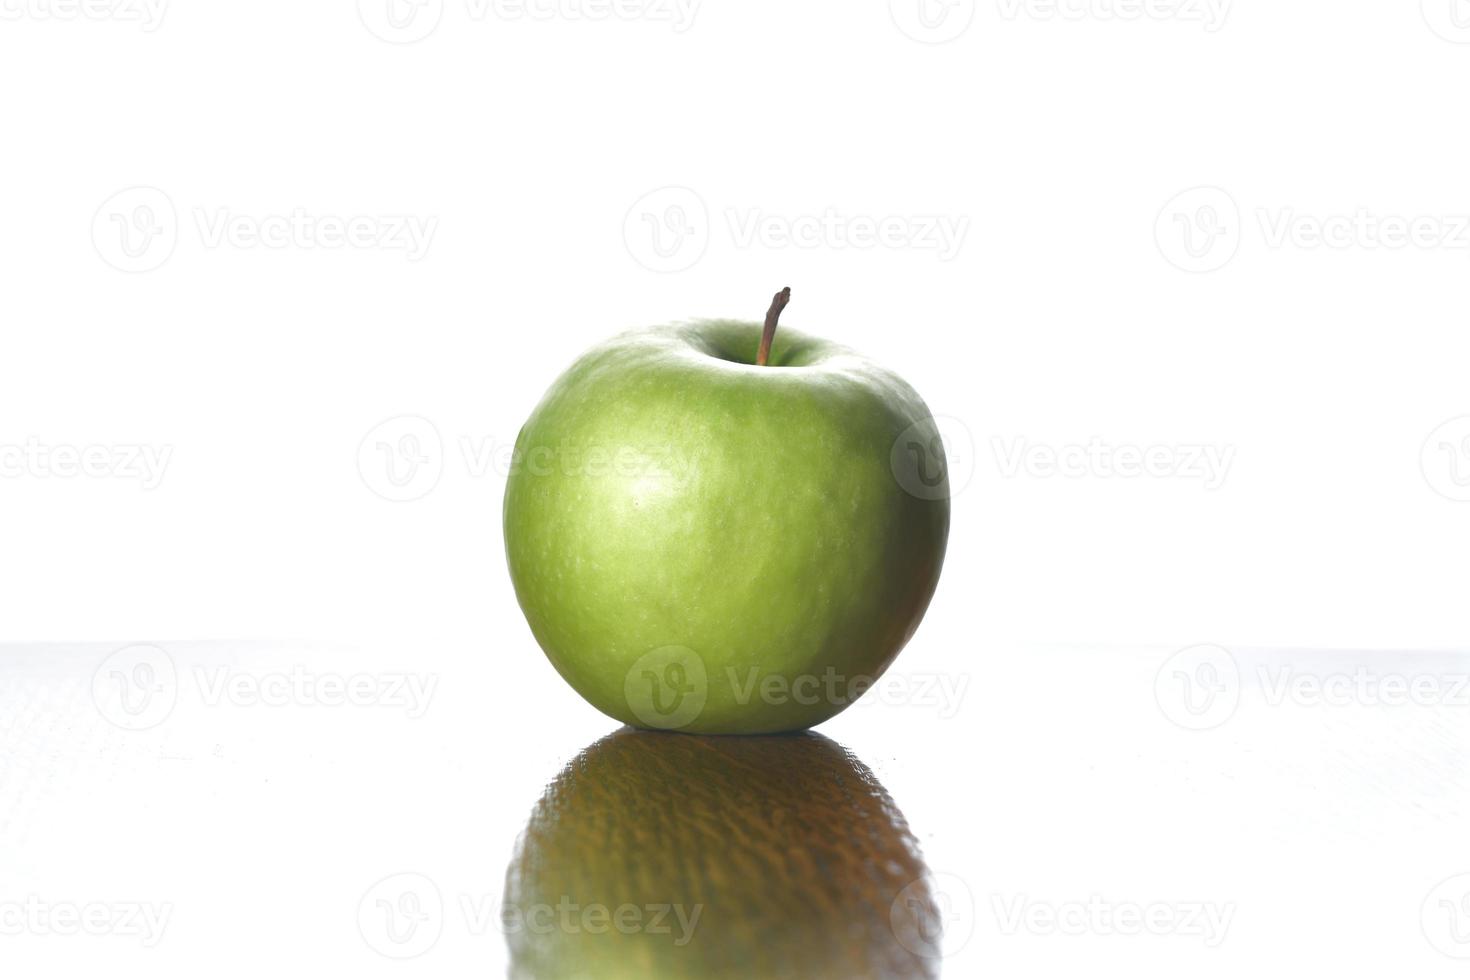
1059,141
1137,190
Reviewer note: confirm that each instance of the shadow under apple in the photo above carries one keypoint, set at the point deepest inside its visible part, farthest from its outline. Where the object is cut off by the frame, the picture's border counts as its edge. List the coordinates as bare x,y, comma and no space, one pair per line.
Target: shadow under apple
655,855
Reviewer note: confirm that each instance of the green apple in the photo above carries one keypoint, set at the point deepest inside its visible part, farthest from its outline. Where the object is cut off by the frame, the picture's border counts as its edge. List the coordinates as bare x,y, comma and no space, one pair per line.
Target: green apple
713,531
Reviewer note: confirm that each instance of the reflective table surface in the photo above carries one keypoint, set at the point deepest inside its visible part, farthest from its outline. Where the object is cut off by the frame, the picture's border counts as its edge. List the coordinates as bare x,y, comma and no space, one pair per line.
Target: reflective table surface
239,809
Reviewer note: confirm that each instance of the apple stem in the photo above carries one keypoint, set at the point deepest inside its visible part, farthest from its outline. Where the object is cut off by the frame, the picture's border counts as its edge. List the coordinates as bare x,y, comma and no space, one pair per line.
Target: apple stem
772,318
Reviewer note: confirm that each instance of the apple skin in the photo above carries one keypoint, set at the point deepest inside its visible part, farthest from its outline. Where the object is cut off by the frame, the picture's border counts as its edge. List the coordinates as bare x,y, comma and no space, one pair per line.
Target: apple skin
706,545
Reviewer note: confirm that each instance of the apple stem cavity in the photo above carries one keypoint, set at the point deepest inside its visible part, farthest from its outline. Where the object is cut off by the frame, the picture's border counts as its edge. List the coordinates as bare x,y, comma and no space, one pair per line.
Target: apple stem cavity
772,318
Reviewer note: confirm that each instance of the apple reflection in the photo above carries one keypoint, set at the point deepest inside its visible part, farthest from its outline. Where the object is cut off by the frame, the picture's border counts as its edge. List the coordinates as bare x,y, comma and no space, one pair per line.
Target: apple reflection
655,855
